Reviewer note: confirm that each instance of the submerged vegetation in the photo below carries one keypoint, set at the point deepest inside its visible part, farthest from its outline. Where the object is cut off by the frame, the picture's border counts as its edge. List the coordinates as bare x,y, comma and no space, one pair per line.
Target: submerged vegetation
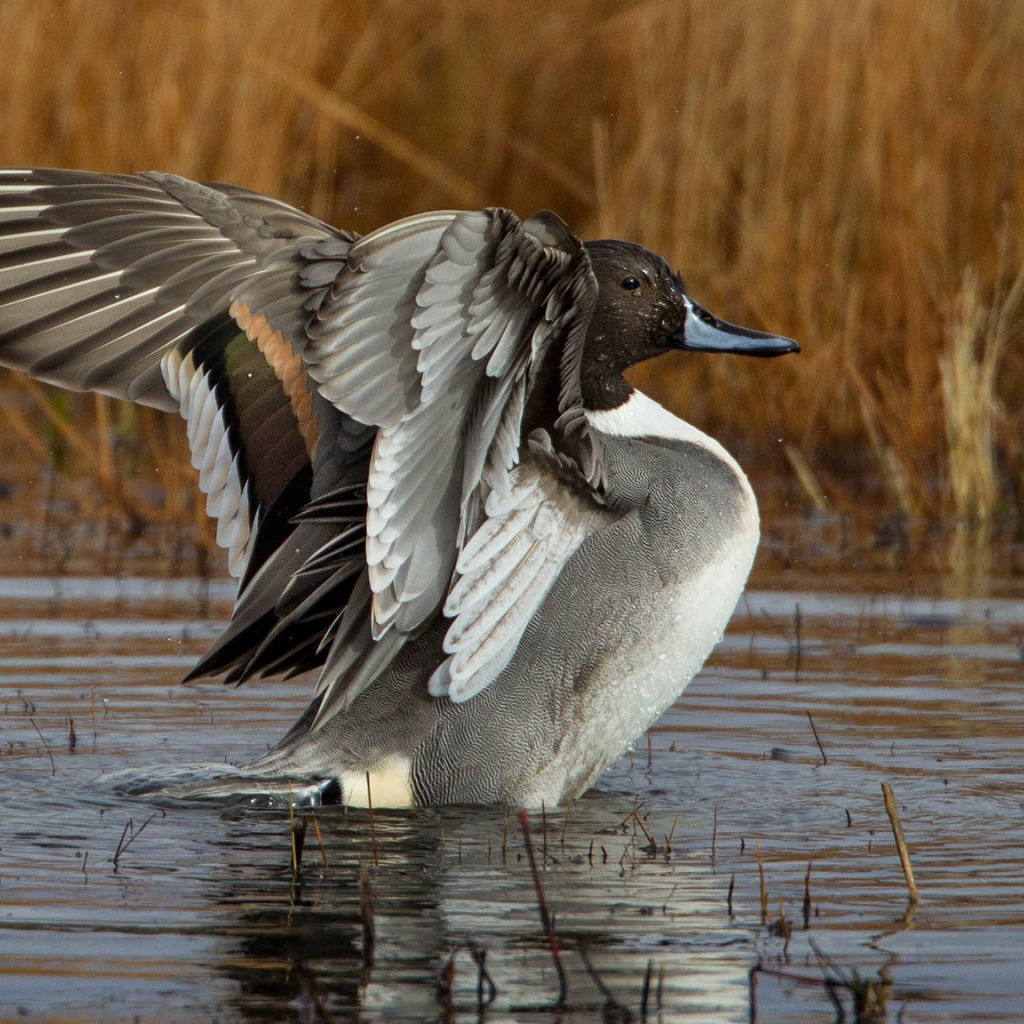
847,174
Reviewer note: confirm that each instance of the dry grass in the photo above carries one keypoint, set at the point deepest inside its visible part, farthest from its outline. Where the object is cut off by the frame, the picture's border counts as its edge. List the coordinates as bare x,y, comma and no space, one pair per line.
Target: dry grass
832,171
971,368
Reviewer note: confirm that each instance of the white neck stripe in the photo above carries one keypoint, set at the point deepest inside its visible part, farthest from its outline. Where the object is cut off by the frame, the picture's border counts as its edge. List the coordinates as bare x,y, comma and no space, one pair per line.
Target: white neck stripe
641,416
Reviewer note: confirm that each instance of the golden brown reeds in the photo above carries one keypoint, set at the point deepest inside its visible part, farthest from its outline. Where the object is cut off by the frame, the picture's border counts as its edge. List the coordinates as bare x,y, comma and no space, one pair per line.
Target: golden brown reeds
978,337
827,170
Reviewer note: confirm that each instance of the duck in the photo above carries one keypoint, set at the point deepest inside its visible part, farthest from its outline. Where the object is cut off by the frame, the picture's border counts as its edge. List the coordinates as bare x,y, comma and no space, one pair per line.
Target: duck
496,561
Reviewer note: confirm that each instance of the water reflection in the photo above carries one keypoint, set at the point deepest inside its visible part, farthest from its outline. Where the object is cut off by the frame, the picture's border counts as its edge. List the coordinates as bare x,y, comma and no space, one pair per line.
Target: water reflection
970,560
442,888
203,919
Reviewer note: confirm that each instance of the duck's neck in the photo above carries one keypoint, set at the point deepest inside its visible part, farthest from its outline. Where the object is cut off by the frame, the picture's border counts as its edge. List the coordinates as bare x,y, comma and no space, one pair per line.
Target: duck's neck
641,416
603,387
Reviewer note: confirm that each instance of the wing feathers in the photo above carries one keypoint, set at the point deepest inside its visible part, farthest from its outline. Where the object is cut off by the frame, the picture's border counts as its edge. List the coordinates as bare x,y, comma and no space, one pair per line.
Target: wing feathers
104,262
222,475
354,406
429,334
505,571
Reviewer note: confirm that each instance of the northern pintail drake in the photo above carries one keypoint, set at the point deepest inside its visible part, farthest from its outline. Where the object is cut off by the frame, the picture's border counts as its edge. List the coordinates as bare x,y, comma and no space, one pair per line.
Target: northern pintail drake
498,560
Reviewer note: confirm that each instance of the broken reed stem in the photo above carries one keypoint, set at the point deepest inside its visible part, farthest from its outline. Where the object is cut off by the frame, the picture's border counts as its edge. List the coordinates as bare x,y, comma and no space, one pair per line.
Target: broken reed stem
824,756
373,829
764,887
122,845
120,842
297,829
901,846
297,834
320,841
647,835
291,830
545,917
668,838
46,746
807,895
366,907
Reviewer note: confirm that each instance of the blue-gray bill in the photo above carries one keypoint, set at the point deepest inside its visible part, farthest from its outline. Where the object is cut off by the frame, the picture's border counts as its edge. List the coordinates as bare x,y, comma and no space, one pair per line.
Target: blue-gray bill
704,332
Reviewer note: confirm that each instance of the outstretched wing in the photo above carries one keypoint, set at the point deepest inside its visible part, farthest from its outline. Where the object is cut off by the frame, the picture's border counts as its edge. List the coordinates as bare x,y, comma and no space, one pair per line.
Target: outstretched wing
100,275
186,297
357,409
436,332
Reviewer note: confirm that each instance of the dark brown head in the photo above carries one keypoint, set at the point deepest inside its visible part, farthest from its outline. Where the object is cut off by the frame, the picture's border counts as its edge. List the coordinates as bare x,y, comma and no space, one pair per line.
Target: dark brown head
643,310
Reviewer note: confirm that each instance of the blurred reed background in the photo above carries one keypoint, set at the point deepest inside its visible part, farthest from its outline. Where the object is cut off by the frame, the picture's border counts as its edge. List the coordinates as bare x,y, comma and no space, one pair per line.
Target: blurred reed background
847,173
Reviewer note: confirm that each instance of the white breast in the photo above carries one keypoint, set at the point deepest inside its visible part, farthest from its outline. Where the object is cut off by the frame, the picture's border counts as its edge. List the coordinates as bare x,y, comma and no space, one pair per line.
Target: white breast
642,416
650,672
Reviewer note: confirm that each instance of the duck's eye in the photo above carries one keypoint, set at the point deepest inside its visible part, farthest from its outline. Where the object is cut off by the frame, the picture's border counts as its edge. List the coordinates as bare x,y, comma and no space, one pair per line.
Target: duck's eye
630,283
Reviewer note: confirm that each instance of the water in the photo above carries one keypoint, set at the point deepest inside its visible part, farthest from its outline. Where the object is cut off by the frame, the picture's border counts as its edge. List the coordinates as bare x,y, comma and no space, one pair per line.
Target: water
910,672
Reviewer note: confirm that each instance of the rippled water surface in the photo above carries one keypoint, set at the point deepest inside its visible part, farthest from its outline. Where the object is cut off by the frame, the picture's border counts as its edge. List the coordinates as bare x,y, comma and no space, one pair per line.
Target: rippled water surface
915,678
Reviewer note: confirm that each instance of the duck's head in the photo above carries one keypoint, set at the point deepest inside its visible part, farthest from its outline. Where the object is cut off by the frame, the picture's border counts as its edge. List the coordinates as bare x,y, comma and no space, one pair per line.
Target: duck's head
642,311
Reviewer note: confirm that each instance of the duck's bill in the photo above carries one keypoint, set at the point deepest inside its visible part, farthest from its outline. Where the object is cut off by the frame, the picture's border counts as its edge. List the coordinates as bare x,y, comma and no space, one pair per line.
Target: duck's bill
703,332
